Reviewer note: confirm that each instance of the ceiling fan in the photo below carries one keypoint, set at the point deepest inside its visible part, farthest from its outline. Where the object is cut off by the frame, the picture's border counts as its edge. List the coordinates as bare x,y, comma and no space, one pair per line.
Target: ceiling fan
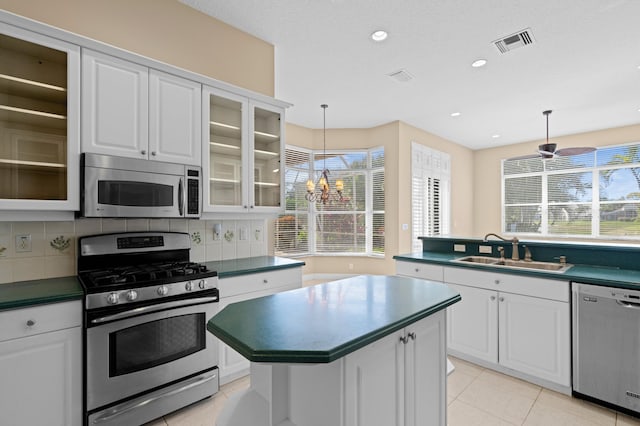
548,150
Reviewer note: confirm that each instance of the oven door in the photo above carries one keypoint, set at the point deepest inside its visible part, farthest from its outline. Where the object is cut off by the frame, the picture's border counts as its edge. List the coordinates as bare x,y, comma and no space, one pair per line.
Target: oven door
133,355
128,193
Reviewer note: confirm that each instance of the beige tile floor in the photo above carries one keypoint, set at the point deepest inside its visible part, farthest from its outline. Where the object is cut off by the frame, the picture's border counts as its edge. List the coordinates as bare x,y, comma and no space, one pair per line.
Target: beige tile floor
476,397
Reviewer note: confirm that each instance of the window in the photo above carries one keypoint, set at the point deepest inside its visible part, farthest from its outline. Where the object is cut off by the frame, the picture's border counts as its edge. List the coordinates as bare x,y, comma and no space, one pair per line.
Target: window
596,194
430,189
354,227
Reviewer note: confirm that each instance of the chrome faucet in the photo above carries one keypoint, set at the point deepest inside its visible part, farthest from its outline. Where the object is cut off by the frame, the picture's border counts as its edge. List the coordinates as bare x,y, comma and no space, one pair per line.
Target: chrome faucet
514,242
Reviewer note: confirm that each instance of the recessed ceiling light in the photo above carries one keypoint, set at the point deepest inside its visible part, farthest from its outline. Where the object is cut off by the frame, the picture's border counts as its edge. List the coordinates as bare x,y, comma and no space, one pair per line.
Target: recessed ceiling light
479,63
456,114
379,35
496,136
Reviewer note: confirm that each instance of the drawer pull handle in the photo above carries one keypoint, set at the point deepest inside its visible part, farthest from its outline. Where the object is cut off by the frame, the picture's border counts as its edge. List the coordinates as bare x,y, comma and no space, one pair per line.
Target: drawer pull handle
31,323
493,298
502,299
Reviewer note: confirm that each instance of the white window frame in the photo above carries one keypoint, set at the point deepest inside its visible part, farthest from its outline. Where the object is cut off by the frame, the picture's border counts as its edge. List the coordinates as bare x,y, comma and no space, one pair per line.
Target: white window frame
595,202
313,211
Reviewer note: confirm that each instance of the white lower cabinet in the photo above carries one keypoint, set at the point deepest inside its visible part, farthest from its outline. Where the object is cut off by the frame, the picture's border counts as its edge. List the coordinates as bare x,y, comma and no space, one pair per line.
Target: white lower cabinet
473,323
513,322
527,331
535,337
41,365
231,364
400,380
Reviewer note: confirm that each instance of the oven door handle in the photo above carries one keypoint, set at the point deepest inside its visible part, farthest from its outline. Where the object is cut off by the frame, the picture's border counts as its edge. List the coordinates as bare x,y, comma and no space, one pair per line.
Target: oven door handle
128,406
154,308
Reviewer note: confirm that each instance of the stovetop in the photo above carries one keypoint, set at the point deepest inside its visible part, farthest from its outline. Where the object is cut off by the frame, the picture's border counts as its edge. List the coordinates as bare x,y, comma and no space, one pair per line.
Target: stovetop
134,268
143,275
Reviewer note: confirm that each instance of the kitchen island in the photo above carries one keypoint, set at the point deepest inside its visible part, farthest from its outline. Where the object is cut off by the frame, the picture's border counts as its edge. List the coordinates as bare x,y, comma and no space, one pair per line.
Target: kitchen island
367,350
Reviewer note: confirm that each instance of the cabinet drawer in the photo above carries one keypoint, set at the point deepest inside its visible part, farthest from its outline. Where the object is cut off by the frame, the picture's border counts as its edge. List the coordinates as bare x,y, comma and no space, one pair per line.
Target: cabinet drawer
426,271
45,318
517,284
268,280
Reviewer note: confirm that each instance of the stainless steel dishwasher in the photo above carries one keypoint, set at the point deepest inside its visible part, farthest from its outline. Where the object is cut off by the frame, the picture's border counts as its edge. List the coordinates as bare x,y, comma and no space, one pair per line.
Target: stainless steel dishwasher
606,344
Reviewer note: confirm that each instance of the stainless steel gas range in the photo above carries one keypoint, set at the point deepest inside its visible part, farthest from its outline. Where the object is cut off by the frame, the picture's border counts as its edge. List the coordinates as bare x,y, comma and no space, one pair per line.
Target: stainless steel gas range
147,350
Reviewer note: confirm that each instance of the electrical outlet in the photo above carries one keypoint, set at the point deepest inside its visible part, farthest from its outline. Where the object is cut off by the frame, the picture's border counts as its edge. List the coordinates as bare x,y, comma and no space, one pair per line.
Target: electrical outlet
459,248
485,249
23,243
351,266
405,226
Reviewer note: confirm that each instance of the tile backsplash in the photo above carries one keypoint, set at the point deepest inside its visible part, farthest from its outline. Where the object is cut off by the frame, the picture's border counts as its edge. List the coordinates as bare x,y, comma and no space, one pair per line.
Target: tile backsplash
35,250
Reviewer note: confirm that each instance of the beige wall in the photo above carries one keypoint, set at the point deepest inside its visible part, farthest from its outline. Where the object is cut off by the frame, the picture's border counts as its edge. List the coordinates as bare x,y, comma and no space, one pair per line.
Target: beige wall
396,137
487,185
462,166
165,30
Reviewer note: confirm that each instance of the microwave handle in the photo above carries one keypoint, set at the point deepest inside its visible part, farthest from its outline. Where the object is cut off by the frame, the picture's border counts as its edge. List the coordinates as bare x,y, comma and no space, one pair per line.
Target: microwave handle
180,198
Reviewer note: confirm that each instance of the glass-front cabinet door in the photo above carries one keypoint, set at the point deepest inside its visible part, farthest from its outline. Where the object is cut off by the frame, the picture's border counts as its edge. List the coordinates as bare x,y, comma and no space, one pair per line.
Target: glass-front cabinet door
267,151
242,153
224,151
39,100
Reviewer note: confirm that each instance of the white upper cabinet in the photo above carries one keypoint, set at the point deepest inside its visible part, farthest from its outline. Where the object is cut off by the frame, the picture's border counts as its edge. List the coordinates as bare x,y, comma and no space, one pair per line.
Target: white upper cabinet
174,119
39,121
243,150
131,110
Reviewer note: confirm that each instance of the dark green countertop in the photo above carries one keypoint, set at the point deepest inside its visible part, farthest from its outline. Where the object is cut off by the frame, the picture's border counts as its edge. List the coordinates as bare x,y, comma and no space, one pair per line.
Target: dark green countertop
588,274
322,323
251,265
36,292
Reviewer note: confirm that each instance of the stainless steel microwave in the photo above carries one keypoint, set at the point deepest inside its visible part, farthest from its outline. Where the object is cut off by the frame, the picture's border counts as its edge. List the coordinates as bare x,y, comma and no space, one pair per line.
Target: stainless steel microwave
128,187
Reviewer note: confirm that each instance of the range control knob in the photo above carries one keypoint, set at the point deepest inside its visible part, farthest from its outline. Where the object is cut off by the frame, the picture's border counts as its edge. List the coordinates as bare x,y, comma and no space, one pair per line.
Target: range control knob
202,284
189,286
163,290
113,298
132,295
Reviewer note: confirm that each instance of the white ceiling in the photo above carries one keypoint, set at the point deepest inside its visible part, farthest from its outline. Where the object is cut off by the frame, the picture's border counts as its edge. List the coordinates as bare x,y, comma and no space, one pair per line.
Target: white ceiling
584,63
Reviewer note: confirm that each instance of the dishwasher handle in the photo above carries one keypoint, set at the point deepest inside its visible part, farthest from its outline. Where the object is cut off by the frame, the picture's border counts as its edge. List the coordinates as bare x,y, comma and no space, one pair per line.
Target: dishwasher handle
626,304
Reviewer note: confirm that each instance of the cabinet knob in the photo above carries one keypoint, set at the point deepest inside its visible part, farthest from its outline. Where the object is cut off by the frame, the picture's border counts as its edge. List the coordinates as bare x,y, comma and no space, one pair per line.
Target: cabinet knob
417,269
497,282
502,299
153,153
251,206
143,152
245,207
493,298
31,323
265,281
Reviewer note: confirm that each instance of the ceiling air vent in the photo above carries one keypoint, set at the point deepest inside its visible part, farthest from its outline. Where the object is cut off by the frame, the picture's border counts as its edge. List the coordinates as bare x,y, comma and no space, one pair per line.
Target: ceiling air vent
401,75
514,41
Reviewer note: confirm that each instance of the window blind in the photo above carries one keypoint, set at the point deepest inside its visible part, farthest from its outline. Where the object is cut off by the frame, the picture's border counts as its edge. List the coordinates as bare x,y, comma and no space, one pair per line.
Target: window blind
596,194
430,193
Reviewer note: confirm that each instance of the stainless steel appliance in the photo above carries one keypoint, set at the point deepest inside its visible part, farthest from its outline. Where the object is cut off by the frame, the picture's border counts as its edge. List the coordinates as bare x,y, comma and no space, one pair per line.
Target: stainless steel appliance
130,187
147,350
606,345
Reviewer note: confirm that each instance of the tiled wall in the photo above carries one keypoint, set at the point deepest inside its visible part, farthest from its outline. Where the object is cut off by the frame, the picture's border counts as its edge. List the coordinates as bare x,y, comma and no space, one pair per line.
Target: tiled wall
54,244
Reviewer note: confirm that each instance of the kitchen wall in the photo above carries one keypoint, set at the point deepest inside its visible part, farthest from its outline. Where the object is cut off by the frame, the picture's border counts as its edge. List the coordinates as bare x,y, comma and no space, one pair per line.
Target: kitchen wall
486,183
165,30
52,249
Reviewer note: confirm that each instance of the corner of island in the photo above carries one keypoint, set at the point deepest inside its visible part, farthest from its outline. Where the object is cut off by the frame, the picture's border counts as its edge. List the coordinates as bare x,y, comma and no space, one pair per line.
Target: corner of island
367,350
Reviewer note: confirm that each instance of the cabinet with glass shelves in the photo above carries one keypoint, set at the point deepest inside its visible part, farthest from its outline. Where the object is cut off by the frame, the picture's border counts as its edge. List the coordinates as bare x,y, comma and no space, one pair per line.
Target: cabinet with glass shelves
39,126
242,153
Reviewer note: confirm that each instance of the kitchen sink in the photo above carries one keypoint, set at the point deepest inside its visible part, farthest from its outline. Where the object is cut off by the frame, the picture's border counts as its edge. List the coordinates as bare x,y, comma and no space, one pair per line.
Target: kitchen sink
516,264
479,259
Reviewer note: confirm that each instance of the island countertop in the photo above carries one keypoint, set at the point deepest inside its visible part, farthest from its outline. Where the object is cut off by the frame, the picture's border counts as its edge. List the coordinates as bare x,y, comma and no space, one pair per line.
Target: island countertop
322,323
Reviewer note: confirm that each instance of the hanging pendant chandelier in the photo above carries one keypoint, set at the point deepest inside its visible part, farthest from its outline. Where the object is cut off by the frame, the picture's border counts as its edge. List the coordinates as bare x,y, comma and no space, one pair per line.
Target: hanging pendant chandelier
324,194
